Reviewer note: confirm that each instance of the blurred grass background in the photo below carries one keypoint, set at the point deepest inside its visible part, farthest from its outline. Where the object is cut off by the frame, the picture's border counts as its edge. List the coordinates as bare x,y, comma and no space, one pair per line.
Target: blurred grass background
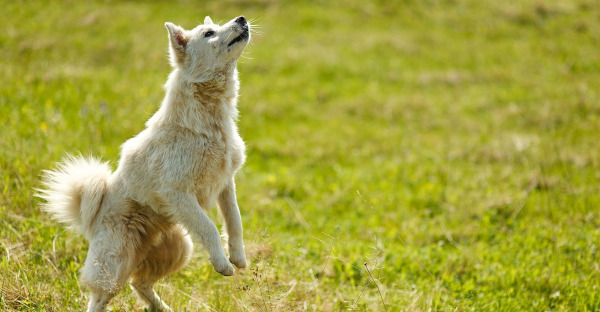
451,145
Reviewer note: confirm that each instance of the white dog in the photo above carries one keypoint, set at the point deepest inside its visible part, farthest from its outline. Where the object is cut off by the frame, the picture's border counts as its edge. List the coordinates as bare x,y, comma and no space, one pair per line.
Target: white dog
137,218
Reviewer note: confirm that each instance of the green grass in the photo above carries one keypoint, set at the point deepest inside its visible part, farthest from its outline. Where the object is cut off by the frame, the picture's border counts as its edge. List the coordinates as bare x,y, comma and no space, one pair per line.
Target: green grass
453,146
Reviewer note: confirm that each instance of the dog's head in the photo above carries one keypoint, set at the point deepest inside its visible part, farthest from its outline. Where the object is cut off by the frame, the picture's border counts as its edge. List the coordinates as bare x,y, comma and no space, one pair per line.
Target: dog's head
209,48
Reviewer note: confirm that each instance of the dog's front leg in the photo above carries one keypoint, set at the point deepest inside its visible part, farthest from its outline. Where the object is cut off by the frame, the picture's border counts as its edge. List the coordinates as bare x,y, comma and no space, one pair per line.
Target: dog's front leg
233,224
188,212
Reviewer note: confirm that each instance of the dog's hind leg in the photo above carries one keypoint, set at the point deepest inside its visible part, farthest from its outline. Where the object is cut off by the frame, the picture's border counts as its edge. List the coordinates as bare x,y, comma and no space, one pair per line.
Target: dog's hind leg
145,292
106,270
167,255
99,301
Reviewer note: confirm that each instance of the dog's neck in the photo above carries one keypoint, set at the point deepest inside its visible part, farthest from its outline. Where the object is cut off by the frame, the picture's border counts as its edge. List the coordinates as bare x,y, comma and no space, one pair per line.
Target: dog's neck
195,105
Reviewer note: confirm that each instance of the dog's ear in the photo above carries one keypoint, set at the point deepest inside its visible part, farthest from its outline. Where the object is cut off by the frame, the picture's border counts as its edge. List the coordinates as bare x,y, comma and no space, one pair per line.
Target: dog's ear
208,21
178,41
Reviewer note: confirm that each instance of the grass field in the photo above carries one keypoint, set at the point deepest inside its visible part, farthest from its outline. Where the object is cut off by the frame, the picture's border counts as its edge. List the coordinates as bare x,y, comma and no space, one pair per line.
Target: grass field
450,147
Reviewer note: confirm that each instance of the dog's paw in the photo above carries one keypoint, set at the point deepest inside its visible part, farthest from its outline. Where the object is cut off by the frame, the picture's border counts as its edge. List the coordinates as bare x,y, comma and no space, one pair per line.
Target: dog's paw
223,267
236,253
238,259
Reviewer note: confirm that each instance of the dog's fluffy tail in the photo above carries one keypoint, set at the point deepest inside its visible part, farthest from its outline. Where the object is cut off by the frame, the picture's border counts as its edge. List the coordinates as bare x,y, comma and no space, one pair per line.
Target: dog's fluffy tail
74,190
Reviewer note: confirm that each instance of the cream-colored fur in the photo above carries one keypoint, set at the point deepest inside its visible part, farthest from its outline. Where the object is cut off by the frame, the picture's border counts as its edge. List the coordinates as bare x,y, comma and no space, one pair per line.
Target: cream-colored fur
137,219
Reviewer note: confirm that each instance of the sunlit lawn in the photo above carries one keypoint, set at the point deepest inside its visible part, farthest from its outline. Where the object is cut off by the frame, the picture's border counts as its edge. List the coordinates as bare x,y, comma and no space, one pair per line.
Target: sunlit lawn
449,147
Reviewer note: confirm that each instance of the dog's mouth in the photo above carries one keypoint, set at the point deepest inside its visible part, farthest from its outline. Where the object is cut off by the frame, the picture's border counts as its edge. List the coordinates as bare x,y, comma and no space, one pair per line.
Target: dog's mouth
243,36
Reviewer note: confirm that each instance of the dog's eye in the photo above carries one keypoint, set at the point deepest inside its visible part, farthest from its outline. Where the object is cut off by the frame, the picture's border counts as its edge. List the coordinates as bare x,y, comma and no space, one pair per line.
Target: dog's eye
209,33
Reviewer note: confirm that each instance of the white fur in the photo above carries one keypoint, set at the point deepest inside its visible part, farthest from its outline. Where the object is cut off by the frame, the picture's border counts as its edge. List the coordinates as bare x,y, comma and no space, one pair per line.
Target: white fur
77,182
138,217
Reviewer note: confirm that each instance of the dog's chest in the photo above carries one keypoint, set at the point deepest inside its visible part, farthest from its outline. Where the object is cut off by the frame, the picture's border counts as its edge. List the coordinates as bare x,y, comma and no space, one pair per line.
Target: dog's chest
219,155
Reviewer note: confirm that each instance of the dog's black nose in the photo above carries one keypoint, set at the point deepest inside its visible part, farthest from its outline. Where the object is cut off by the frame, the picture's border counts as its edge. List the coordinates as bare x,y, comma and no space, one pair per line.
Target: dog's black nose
241,20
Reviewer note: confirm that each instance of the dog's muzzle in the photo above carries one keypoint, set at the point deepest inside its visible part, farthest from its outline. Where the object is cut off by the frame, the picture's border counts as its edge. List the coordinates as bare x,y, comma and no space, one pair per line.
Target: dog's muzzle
241,20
